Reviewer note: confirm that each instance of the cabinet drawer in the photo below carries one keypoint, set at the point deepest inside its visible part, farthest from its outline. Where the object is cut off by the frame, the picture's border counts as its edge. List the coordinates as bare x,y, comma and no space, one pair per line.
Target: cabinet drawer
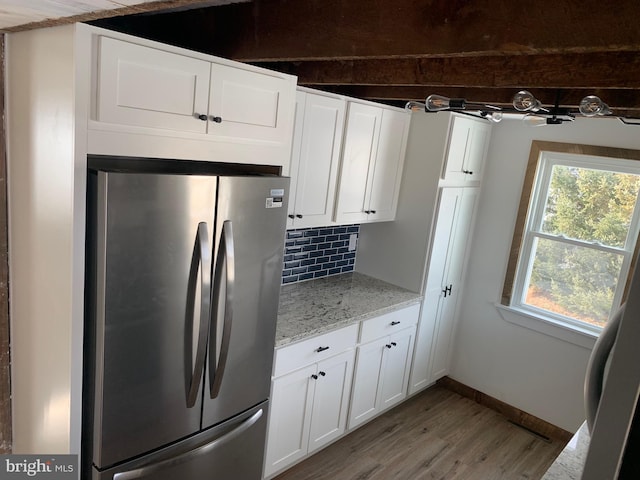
389,323
292,357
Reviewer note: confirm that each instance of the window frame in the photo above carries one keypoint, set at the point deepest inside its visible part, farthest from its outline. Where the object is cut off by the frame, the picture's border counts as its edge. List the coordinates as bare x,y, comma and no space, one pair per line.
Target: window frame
543,156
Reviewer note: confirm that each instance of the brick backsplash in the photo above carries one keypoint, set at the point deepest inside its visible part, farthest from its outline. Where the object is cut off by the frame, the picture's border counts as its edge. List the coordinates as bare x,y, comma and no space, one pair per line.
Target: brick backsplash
318,252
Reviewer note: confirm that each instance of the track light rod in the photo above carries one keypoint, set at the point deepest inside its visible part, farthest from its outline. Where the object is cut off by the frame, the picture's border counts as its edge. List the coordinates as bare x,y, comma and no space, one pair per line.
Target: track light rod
523,102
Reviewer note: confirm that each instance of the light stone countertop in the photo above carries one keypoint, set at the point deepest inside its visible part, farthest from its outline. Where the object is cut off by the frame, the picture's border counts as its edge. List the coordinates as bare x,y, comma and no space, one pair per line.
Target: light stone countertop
318,306
570,462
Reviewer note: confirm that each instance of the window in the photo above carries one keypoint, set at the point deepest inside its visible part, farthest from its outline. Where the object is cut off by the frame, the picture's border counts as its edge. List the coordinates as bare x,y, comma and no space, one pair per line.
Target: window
578,224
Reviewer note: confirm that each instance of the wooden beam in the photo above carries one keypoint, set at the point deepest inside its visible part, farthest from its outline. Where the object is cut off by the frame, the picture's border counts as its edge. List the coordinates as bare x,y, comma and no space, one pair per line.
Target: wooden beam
351,29
160,5
578,70
5,350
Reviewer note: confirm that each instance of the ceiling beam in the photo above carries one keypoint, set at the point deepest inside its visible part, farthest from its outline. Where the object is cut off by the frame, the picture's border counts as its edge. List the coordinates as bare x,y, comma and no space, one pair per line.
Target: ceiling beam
291,30
86,16
482,50
578,70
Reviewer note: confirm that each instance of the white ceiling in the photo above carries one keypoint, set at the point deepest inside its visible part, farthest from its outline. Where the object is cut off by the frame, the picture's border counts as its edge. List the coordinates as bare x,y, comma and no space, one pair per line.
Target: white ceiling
14,13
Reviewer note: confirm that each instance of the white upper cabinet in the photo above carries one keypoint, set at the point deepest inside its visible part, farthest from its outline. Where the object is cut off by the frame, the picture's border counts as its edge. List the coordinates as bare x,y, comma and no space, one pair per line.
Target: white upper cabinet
467,149
153,100
246,104
148,87
372,159
358,161
387,173
314,159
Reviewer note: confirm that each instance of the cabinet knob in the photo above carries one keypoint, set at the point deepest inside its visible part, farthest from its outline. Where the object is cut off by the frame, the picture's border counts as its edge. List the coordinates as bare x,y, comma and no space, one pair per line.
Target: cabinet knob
322,373
298,215
200,116
373,211
468,172
291,216
388,346
321,349
216,119
314,376
367,212
394,344
395,323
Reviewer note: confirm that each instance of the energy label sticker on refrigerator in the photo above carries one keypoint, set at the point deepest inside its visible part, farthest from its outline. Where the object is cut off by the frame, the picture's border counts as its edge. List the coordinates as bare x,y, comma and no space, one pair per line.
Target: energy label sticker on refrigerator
276,198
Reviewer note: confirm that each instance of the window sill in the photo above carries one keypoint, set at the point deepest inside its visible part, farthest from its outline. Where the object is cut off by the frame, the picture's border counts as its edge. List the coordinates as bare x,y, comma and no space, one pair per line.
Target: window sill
548,326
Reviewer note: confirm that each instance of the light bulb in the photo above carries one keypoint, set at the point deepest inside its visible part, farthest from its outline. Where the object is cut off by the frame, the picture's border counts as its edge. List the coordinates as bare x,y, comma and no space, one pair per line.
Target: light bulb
532,120
436,103
415,107
494,117
590,106
524,101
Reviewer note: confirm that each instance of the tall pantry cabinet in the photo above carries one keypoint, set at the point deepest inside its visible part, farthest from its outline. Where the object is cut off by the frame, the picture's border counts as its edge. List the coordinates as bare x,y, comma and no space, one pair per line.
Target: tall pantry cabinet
425,249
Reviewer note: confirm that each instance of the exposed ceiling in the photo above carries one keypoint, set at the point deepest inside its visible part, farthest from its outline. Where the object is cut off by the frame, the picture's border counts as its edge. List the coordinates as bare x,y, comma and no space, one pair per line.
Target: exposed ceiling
394,51
22,14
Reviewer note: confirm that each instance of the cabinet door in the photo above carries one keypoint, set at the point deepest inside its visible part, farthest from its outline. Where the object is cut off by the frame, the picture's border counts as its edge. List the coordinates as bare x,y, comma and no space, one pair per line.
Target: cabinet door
289,419
477,152
387,172
296,145
455,261
358,160
468,142
147,87
317,161
331,399
434,298
394,378
249,105
370,362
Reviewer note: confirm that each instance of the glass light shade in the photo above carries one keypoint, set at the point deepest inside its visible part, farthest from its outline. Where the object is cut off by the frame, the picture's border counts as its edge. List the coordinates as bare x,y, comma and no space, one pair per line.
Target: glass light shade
532,120
494,117
436,103
415,107
524,101
590,106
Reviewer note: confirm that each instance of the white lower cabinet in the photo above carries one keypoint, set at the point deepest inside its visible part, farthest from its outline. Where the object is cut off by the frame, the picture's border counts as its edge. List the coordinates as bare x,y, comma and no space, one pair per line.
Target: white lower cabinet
382,364
381,375
309,405
312,394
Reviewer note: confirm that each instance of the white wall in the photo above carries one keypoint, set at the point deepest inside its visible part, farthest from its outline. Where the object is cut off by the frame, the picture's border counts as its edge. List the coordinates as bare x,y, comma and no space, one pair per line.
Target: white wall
539,374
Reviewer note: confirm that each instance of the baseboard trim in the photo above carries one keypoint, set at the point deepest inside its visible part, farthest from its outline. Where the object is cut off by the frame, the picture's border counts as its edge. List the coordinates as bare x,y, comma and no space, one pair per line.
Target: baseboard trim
515,415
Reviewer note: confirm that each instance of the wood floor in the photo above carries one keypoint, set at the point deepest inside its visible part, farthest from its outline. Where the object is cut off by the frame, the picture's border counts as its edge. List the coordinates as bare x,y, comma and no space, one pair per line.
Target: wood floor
436,435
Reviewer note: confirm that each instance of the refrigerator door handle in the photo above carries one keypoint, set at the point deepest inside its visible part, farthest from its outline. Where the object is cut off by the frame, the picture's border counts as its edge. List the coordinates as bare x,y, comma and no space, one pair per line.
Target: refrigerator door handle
149,470
594,380
200,260
225,258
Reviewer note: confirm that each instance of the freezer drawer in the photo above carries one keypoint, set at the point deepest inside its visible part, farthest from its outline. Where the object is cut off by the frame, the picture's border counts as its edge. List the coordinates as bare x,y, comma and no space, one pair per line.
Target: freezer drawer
233,449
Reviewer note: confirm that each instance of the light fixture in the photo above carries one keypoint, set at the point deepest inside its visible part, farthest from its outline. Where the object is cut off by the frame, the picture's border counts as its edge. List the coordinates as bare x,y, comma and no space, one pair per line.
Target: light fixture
537,120
494,117
590,106
415,107
436,103
523,102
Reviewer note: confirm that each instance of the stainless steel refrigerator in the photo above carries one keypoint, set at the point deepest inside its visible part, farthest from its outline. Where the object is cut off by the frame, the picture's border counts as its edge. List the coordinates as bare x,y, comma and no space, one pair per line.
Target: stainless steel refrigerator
183,279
